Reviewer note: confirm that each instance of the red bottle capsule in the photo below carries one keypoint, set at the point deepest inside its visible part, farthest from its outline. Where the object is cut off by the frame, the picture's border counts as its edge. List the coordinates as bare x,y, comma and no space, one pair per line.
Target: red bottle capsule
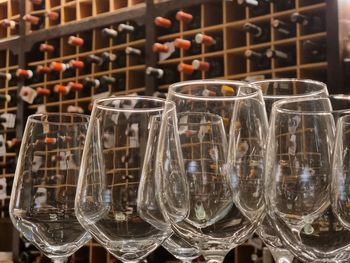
46,48
75,41
183,16
61,89
24,73
43,91
57,66
162,22
76,64
75,86
185,68
160,48
182,43
204,39
42,69
200,65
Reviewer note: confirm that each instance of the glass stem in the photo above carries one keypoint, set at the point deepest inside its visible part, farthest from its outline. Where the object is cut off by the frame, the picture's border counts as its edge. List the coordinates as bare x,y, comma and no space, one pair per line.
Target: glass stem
214,258
186,260
59,260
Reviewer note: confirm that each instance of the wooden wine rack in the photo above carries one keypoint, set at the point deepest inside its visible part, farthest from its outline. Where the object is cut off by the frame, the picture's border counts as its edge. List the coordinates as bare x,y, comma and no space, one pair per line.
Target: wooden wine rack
224,19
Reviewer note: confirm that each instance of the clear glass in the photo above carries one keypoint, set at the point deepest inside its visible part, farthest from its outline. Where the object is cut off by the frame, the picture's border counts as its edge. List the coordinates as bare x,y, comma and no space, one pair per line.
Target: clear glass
340,104
274,90
116,159
298,177
42,199
223,128
149,211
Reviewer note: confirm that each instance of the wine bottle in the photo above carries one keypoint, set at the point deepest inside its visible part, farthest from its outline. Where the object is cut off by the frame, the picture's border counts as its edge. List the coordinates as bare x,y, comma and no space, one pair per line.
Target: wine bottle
75,41
256,7
258,33
58,66
46,48
75,86
13,143
314,51
200,65
190,46
7,23
214,44
282,57
58,88
6,76
258,60
23,73
167,74
4,98
166,25
93,59
190,20
43,91
91,83
110,32
284,28
75,109
37,22
310,23
42,69
133,51
157,72
124,28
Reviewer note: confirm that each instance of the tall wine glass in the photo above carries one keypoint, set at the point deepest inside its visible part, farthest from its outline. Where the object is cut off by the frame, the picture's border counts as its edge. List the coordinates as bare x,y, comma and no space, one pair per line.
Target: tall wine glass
42,199
222,127
340,173
149,211
298,176
116,157
274,90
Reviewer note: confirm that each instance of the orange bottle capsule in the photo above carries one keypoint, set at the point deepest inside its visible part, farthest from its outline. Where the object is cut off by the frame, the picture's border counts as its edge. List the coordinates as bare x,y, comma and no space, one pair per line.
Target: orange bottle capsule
57,66
200,65
46,48
31,19
76,64
75,41
50,140
43,91
185,68
183,16
162,22
182,43
52,15
24,73
204,39
160,48
75,86
42,69
13,142
61,89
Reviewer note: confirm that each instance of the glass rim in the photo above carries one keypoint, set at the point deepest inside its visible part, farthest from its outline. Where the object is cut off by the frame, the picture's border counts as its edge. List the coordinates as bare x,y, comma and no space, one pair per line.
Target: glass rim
218,118
344,119
130,98
306,81
277,106
172,89
33,118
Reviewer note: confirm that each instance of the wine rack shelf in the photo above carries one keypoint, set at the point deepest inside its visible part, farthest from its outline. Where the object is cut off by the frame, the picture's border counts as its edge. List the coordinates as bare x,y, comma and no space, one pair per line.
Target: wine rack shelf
305,50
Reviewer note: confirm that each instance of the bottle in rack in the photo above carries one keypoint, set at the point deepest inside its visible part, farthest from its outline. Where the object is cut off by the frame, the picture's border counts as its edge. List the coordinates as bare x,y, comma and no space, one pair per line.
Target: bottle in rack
257,7
91,83
314,51
5,76
37,22
136,55
135,31
257,59
191,20
8,23
165,75
189,71
309,23
189,45
283,28
106,81
258,33
214,67
213,43
166,26
283,57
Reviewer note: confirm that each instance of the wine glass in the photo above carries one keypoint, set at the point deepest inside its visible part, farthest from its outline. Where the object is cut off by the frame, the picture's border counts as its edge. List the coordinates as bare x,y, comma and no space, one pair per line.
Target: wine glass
116,157
297,180
43,193
340,172
149,211
222,127
274,90
340,105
